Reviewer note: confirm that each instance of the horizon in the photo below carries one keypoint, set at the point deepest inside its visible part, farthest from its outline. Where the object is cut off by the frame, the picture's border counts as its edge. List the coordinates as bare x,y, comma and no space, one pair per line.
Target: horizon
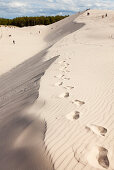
34,16
56,88
17,8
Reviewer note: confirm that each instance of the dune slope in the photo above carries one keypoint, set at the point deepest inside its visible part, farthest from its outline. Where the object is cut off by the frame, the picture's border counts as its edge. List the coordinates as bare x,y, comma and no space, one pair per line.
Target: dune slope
70,126
21,131
79,96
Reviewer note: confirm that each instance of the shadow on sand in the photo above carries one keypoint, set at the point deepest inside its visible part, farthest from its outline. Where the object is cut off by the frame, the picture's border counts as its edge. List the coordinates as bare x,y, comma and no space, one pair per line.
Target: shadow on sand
21,135
64,28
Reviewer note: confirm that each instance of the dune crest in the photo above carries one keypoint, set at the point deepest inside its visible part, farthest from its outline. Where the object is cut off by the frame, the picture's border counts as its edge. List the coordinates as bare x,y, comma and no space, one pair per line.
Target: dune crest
80,52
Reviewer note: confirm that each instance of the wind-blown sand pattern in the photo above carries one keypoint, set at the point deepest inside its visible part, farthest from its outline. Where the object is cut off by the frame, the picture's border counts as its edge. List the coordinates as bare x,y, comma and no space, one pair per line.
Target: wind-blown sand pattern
21,132
75,132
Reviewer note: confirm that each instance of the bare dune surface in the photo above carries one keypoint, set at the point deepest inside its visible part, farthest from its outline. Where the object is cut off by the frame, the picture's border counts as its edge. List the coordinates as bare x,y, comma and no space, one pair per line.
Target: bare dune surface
64,121
89,52
21,131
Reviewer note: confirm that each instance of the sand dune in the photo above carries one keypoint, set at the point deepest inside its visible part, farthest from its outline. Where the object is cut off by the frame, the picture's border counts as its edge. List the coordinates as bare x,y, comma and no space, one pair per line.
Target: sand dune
89,53
21,131
70,126
28,42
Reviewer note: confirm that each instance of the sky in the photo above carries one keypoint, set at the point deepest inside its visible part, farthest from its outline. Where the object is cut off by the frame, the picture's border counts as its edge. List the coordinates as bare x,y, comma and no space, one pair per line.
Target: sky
17,8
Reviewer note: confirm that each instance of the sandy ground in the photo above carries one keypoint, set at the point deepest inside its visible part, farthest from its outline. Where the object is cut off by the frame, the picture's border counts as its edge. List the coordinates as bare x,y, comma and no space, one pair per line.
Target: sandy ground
80,124
76,92
28,42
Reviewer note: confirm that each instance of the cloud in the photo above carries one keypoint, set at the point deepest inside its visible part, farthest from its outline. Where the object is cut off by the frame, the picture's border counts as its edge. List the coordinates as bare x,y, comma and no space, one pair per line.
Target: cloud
16,4
14,8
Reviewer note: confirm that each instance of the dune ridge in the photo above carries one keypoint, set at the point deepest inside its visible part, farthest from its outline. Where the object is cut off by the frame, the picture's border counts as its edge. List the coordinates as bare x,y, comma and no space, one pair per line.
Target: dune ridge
79,125
22,130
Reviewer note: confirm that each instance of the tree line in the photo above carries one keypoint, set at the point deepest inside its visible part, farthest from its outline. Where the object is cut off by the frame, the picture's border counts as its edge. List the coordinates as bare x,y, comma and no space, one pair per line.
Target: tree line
31,21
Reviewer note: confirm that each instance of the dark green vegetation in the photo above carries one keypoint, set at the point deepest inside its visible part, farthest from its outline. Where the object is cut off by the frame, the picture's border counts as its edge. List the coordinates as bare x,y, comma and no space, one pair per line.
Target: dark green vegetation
31,21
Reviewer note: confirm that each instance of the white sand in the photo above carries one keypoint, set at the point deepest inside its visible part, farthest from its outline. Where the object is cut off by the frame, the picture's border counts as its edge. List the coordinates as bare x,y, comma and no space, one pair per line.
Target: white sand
89,52
28,42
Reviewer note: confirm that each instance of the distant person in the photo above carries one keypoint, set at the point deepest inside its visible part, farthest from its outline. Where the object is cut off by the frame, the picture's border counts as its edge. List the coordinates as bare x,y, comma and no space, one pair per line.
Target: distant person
106,15
13,42
39,32
88,9
102,16
9,35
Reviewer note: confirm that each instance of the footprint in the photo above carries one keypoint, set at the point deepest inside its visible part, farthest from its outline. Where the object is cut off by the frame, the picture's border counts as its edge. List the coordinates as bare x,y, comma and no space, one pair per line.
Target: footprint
59,76
64,95
98,158
59,84
103,158
69,87
67,64
78,102
65,78
73,115
65,71
62,68
99,130
61,62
